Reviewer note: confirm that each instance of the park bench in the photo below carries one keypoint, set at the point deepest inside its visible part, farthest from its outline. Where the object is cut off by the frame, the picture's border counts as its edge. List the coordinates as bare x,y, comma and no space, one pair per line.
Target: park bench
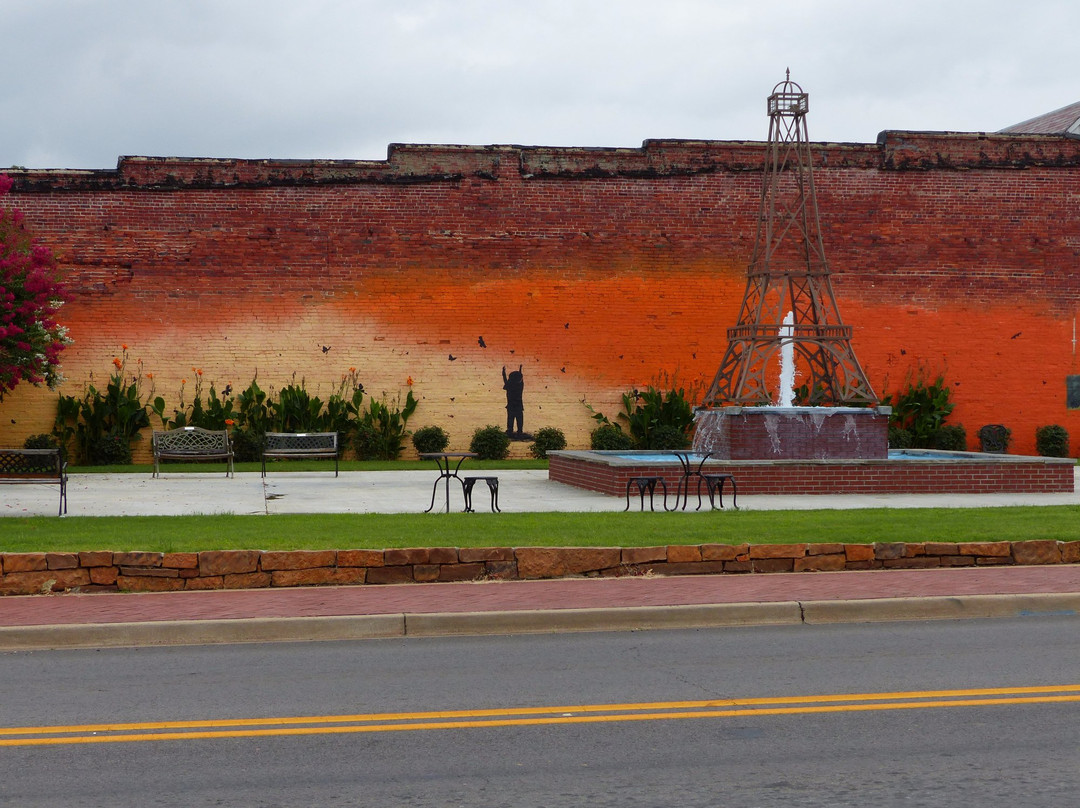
35,466
300,445
192,443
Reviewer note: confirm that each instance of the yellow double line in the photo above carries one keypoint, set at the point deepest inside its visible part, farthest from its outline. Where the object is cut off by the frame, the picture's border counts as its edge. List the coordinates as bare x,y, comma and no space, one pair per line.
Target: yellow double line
531,716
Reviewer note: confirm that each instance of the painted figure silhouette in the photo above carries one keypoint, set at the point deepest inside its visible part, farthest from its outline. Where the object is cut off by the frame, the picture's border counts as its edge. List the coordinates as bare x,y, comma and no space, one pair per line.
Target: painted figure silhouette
514,384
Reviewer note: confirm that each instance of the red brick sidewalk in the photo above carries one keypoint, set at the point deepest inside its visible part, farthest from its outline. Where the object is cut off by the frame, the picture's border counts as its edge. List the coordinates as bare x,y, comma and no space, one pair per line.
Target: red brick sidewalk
105,608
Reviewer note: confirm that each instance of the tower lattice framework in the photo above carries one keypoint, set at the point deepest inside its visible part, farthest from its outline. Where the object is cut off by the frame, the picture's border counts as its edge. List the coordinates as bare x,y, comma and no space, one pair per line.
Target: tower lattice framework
788,273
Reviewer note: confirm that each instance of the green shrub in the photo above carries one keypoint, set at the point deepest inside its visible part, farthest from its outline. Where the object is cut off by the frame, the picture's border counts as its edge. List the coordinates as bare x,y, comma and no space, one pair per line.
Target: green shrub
950,438
381,431
104,423
921,408
490,443
548,439
669,436
430,439
1052,441
247,444
899,438
649,411
367,443
41,442
113,449
609,438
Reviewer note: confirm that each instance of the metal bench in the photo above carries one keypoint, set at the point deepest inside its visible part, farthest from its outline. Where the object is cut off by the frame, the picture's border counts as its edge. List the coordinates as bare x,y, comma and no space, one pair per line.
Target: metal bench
192,443
300,445
467,484
35,466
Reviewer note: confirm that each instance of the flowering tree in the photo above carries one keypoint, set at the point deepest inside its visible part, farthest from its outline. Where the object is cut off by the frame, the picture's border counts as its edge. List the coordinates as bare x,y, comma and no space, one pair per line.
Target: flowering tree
30,294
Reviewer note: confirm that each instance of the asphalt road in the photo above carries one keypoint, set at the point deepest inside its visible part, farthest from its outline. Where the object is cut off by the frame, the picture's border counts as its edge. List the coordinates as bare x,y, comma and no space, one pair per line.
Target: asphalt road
964,713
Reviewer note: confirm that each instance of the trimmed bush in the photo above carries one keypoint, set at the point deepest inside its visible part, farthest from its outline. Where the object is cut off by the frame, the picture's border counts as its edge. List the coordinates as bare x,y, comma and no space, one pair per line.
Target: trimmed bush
43,441
669,436
490,443
950,438
1052,441
370,444
609,438
112,449
548,439
900,438
247,445
430,439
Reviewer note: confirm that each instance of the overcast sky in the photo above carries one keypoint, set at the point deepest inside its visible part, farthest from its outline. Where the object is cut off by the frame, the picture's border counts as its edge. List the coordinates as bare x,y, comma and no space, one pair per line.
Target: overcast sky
86,81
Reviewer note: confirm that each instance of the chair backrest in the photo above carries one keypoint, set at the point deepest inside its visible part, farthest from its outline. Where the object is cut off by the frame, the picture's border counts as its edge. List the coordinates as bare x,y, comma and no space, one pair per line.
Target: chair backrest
192,439
994,438
30,461
302,441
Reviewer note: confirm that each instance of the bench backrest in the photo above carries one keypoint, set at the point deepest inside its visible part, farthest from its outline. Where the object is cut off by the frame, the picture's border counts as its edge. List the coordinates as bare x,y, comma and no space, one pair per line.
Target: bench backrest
301,441
191,440
31,461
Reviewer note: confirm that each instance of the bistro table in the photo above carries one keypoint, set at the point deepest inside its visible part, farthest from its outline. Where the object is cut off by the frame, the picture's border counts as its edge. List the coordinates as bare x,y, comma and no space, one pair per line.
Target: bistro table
687,460
443,460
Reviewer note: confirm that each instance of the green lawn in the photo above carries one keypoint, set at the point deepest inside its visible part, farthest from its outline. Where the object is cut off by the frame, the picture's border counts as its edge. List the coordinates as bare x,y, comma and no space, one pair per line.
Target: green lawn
634,529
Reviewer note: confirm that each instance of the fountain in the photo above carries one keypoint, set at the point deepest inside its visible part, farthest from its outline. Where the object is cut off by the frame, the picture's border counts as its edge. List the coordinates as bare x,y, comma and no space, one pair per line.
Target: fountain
827,436
789,309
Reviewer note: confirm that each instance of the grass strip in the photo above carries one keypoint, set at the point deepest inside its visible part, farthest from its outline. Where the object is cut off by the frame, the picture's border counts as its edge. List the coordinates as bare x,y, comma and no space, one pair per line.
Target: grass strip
379,531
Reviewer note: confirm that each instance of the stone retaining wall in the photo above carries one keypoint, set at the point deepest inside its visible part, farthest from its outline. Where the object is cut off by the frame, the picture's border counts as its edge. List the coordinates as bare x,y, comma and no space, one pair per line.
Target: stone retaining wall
106,571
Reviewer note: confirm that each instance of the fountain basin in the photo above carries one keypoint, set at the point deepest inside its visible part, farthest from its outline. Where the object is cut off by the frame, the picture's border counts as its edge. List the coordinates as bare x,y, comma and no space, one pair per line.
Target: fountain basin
793,433
912,471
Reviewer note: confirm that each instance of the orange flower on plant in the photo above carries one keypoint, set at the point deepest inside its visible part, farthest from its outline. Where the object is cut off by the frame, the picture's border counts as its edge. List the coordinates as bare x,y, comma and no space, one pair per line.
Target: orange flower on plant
229,422
198,372
149,375
123,347
408,381
116,361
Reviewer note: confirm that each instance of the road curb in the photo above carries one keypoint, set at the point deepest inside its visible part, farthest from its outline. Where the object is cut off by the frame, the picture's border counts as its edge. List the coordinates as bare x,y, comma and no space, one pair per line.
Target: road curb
201,632
958,607
634,618
543,621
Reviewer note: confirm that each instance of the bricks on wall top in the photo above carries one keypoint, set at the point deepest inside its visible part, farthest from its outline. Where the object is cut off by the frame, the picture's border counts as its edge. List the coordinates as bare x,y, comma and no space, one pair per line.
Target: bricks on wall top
104,571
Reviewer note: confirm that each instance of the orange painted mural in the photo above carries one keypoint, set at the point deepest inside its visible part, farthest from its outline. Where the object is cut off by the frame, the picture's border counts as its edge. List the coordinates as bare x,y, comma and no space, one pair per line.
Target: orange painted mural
593,271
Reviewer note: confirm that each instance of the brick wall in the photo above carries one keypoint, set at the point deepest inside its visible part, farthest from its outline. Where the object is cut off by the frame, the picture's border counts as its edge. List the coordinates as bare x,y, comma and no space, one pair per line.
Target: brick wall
104,571
795,477
596,270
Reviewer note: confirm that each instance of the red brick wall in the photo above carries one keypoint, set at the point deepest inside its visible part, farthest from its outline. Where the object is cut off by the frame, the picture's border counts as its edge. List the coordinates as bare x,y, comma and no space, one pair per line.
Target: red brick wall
596,270
828,477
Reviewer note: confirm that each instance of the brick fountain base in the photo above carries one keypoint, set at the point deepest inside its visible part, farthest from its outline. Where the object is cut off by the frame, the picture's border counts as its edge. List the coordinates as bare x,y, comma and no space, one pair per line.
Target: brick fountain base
816,450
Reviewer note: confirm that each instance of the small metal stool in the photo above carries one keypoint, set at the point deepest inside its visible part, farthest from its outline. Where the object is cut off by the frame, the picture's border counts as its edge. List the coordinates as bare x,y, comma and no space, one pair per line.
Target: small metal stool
467,484
645,484
715,482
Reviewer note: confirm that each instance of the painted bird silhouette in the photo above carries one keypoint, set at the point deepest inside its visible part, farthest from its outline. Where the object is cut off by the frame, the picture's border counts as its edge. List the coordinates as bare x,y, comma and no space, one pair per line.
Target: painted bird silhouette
453,358
481,343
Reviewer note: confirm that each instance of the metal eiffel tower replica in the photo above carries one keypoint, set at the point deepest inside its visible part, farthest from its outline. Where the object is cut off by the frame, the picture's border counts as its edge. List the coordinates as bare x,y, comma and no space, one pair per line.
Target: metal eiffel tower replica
789,299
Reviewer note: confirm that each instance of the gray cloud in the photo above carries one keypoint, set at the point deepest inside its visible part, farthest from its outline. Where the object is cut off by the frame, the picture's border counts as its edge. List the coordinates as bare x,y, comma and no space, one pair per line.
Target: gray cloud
89,80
